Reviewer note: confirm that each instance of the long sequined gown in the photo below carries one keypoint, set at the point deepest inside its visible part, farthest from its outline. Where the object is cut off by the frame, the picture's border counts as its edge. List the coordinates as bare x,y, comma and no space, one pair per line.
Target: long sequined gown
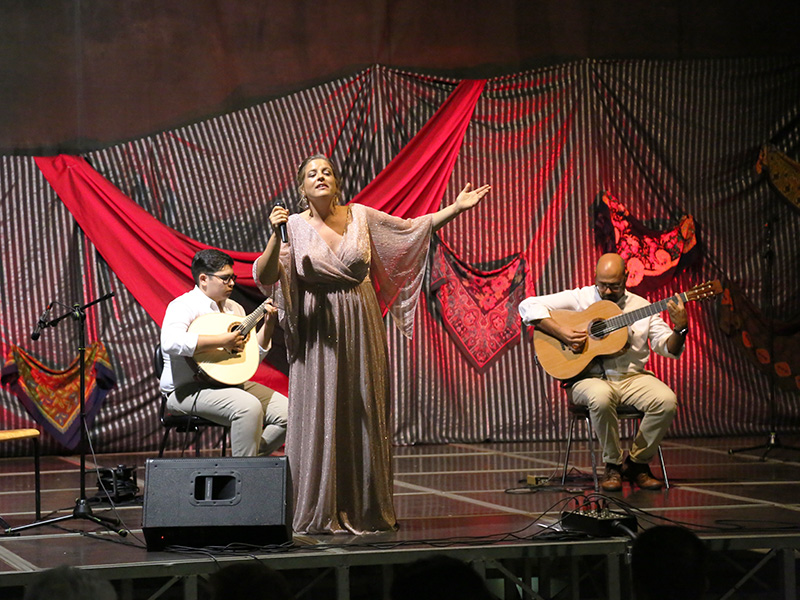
338,439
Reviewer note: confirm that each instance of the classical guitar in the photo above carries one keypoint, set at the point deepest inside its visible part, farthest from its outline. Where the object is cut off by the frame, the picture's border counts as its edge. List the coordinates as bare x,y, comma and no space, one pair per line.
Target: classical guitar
221,364
606,327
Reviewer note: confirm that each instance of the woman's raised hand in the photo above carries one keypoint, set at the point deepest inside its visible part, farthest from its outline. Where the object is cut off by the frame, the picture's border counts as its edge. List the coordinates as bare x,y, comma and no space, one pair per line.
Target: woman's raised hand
469,197
279,216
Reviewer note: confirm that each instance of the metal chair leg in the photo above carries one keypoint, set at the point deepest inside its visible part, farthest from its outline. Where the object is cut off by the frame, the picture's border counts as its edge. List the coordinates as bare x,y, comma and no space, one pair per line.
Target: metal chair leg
591,436
569,447
163,443
37,473
197,441
663,467
660,456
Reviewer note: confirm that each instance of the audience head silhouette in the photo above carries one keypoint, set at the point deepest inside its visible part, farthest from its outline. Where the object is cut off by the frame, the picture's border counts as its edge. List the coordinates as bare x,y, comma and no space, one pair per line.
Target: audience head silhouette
668,563
251,580
69,583
439,578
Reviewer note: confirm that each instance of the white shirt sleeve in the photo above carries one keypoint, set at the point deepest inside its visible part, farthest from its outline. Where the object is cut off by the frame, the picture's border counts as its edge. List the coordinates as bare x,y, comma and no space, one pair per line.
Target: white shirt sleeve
176,340
660,332
535,308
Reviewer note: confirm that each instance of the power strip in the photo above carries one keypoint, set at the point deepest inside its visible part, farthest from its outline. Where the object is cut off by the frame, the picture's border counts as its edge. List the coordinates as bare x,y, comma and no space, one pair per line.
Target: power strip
602,523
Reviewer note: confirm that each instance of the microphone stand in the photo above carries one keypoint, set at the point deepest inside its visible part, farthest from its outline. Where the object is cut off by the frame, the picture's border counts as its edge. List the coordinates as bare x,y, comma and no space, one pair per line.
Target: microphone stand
773,441
82,509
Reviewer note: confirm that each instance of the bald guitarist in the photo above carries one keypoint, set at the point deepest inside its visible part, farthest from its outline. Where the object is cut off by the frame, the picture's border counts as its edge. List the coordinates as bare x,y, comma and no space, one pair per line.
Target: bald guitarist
609,381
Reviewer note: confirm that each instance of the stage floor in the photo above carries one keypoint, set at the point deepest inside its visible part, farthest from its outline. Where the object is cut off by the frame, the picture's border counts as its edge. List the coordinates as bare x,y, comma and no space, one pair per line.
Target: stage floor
469,500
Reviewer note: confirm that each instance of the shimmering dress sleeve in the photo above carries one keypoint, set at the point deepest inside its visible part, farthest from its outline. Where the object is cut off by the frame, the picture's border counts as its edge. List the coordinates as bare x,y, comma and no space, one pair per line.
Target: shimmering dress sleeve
399,257
284,294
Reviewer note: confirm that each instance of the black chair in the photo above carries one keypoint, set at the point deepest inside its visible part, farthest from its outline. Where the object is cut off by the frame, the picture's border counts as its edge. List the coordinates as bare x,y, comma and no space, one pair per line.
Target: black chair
187,424
579,412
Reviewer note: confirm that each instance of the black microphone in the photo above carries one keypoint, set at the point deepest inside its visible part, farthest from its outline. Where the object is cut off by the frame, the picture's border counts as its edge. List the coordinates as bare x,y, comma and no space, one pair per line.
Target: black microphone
41,323
282,226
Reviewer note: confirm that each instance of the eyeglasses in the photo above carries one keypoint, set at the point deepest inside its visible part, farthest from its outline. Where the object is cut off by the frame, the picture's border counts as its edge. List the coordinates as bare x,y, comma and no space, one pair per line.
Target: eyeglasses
227,279
611,287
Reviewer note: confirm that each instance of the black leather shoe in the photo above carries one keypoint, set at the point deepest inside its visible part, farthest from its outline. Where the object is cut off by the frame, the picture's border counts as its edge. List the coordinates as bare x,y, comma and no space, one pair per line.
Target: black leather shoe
640,475
612,478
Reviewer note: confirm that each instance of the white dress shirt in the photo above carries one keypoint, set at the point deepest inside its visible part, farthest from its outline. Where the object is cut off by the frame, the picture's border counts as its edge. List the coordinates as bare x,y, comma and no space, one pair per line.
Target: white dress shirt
178,342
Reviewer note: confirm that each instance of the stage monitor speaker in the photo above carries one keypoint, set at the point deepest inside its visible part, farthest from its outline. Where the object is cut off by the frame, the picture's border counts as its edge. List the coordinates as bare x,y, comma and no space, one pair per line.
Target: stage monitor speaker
216,501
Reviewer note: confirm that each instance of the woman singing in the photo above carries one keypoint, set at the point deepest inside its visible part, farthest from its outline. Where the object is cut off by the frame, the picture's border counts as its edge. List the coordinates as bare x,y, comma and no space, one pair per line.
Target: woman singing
338,440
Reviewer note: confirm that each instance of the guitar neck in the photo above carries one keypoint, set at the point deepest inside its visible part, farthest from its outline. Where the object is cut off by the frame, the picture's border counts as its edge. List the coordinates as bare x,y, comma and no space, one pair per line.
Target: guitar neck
629,318
250,320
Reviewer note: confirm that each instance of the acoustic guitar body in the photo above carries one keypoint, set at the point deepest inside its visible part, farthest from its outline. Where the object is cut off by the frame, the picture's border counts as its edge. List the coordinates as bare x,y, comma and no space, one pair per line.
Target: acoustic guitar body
219,364
607,331
559,360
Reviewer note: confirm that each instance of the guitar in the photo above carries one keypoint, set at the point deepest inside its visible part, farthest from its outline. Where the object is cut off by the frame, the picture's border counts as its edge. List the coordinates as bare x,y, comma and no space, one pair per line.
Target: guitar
606,326
220,364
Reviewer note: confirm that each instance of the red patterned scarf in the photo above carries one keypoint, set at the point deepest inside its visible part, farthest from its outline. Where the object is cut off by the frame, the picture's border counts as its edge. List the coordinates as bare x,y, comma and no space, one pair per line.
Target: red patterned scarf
479,308
51,397
652,257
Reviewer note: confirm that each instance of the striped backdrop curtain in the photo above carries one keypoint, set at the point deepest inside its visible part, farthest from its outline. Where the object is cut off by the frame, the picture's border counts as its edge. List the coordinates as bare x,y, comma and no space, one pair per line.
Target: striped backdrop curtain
665,138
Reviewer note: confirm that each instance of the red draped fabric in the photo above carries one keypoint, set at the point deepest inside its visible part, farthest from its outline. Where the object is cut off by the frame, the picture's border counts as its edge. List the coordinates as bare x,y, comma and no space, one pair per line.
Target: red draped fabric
153,260
414,182
669,139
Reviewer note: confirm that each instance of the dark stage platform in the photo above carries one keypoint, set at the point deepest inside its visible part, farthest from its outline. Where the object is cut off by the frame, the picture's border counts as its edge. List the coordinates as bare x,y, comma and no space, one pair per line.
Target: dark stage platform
468,500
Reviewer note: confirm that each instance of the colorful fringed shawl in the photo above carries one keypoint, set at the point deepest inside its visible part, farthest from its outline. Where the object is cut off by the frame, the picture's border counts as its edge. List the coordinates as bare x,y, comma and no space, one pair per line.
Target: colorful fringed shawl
51,397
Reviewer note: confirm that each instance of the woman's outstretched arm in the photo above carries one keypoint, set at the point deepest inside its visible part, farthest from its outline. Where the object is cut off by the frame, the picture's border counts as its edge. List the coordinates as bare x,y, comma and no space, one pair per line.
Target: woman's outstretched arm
466,199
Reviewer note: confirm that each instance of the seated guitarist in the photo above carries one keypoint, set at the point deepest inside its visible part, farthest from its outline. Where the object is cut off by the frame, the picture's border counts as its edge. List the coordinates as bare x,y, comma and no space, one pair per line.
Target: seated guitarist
622,378
255,413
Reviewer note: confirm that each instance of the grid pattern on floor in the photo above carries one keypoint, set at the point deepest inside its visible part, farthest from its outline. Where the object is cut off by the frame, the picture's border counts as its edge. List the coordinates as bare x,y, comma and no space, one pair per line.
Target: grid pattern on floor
468,499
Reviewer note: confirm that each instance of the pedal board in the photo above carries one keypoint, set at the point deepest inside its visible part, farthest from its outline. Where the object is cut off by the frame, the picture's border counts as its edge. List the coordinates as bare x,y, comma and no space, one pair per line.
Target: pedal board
602,523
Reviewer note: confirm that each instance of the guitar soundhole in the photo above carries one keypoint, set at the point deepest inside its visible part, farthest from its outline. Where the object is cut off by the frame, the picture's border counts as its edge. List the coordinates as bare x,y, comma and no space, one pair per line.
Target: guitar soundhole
598,329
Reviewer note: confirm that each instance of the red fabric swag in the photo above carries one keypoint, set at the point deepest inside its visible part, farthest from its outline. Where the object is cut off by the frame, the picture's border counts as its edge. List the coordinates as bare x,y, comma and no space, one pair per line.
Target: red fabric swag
141,250
415,181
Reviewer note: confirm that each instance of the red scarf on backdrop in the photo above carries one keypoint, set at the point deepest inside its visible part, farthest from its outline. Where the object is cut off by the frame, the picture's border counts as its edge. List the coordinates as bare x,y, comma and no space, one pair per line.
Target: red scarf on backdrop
140,249
757,336
651,257
479,308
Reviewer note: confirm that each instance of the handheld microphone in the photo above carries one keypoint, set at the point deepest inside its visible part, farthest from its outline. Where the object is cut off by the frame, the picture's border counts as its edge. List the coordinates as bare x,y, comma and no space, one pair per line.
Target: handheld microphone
41,323
282,226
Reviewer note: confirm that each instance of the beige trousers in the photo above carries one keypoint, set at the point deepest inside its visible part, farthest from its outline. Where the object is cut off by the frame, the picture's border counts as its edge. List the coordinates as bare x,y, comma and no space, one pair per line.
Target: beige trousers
644,391
256,414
